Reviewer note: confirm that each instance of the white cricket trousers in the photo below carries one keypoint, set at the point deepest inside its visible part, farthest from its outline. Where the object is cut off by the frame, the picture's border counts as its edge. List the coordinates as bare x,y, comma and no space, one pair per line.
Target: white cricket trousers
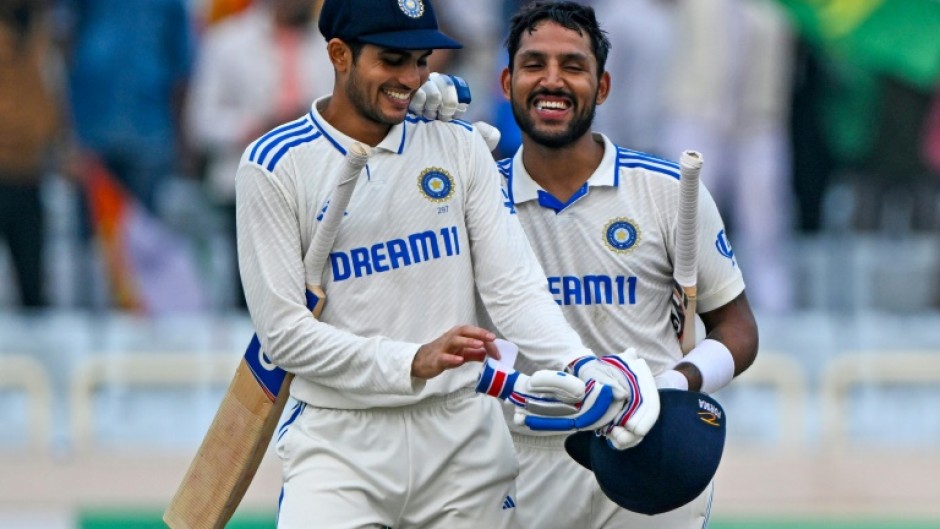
555,492
445,463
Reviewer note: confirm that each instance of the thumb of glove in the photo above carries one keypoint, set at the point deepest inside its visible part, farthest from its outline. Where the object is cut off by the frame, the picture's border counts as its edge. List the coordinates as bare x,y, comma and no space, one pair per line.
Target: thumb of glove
620,438
491,134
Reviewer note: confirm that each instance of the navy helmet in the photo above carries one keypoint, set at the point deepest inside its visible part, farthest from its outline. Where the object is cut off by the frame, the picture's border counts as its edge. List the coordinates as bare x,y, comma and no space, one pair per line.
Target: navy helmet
673,463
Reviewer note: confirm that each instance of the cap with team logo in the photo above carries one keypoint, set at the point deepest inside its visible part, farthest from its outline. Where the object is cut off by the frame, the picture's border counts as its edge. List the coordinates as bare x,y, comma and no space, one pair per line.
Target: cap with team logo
673,464
398,24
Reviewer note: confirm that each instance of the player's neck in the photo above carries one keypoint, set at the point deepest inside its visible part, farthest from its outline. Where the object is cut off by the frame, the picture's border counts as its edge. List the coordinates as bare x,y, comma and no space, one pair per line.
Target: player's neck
562,171
342,115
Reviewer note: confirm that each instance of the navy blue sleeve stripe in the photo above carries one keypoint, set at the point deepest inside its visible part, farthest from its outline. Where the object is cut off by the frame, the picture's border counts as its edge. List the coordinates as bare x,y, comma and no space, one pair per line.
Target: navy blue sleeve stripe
280,130
627,153
654,168
290,145
280,140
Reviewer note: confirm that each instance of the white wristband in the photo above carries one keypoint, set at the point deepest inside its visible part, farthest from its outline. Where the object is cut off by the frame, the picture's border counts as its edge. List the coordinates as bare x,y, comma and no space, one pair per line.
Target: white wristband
672,379
714,362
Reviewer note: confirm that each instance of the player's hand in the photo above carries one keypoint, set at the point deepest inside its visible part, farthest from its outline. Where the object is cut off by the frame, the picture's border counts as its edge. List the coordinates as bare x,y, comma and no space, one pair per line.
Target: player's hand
546,392
635,405
491,134
597,410
454,348
641,413
442,97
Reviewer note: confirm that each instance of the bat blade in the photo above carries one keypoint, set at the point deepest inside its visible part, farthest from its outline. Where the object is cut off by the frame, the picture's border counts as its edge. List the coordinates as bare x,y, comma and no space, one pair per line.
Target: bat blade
685,293
244,424
231,451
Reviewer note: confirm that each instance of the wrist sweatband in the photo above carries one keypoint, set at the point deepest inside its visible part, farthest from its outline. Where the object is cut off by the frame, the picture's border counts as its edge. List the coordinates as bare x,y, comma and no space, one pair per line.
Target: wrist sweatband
672,379
714,362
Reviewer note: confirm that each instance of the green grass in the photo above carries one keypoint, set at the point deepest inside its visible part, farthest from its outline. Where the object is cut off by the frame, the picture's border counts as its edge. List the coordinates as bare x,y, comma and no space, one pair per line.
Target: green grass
811,524
150,519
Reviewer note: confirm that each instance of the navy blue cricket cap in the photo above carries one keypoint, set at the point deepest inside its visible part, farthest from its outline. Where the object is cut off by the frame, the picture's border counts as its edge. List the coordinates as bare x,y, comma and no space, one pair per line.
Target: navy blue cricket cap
673,463
397,24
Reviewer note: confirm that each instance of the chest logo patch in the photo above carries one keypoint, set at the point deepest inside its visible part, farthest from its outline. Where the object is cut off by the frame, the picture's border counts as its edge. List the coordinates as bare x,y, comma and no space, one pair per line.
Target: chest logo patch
412,8
621,235
436,184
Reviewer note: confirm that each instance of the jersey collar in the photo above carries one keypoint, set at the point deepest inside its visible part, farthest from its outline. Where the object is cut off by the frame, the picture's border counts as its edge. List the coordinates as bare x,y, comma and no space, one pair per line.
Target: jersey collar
523,188
394,141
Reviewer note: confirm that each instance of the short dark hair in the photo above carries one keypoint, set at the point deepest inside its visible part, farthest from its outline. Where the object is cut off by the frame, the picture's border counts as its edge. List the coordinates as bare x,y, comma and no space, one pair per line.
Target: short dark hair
571,15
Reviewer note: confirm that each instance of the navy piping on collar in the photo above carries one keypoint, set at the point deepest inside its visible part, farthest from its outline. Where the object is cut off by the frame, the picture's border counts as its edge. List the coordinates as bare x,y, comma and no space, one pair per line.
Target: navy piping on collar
327,136
546,200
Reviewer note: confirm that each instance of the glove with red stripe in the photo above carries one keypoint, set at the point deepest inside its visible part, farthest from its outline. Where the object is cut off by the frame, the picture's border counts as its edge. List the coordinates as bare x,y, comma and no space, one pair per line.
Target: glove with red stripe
636,399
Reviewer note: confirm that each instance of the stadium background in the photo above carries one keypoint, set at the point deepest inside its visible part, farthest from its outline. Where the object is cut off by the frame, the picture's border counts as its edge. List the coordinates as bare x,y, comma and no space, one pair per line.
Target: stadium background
106,391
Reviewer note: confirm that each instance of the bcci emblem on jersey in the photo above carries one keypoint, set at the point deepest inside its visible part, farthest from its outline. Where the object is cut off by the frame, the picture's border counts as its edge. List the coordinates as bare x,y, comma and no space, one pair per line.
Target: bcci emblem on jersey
621,235
436,184
412,8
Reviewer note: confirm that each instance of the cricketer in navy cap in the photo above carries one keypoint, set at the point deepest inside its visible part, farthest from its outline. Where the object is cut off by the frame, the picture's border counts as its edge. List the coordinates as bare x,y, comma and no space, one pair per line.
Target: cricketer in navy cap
673,464
398,24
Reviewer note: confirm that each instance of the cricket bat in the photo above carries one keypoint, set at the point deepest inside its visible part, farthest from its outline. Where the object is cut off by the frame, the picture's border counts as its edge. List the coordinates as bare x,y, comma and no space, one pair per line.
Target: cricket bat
243,426
686,268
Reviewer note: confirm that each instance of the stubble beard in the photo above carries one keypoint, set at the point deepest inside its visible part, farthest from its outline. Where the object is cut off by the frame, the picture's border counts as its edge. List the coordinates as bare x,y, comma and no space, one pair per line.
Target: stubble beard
359,98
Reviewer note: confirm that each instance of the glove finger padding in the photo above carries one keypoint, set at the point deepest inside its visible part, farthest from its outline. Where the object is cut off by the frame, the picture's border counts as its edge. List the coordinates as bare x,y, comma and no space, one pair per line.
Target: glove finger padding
597,409
442,97
491,134
549,393
641,413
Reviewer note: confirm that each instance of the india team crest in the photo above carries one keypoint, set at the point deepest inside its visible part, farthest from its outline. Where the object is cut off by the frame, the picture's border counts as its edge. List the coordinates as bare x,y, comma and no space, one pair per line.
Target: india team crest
621,235
436,184
412,8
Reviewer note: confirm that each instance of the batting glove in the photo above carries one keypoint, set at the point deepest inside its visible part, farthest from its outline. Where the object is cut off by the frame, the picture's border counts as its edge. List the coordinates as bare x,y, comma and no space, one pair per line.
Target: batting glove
642,411
596,410
636,400
548,393
443,97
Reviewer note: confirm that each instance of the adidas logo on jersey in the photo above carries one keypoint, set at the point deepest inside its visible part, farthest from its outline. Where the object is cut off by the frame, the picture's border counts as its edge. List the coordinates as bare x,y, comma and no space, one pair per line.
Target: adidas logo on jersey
508,503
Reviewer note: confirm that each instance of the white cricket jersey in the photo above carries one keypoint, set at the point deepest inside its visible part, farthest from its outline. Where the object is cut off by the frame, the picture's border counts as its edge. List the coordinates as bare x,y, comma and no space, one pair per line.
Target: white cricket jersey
424,227
608,252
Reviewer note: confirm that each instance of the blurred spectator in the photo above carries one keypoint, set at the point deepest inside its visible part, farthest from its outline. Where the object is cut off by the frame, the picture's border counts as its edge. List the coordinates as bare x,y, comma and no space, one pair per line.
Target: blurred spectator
895,172
931,142
220,9
28,126
728,99
813,162
641,56
255,70
129,63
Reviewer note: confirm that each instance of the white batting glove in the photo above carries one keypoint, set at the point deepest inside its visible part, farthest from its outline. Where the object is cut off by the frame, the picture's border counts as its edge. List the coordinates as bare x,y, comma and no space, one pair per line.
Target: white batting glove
443,97
641,413
636,399
491,134
596,410
548,393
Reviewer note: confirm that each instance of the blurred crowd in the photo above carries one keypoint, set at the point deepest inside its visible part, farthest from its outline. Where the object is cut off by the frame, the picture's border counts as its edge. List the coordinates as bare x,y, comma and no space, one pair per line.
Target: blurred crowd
140,110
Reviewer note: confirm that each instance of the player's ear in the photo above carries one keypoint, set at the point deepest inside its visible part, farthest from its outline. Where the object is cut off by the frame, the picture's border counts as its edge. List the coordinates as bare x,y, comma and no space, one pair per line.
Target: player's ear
603,88
340,55
505,81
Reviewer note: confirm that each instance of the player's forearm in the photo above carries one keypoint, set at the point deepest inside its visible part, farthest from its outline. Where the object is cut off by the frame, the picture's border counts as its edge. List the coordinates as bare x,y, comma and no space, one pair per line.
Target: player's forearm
728,350
734,326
